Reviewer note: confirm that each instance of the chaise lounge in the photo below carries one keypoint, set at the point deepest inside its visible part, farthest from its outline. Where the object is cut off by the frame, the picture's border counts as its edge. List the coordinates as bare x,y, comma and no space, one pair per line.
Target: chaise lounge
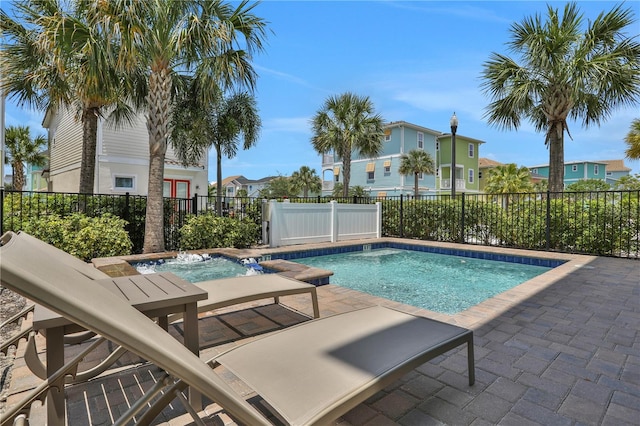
221,292
311,373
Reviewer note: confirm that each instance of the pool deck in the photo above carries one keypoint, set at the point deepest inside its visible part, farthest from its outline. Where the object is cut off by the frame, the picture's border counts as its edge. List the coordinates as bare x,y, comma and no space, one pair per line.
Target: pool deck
563,348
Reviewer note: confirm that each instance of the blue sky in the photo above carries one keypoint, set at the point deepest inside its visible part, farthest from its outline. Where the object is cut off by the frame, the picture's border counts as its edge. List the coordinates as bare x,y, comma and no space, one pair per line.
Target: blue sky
418,61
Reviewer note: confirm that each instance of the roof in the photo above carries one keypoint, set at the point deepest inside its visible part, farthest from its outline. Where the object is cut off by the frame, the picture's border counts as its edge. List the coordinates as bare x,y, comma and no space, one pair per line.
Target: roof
487,162
615,166
570,162
243,180
228,180
415,126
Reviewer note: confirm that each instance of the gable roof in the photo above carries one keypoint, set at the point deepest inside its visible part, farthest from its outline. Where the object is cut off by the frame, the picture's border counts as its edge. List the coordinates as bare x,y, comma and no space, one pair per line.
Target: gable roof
615,166
487,162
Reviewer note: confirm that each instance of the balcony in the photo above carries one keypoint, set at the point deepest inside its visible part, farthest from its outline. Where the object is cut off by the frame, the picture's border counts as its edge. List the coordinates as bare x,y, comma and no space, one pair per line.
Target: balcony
446,184
327,160
327,185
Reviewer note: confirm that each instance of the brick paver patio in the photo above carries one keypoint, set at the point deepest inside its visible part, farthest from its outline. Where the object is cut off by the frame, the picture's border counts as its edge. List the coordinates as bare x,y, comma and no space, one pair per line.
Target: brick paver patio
568,354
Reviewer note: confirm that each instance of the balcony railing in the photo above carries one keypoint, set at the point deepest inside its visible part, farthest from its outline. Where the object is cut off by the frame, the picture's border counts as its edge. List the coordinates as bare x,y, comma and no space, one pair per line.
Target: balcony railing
327,159
327,185
446,184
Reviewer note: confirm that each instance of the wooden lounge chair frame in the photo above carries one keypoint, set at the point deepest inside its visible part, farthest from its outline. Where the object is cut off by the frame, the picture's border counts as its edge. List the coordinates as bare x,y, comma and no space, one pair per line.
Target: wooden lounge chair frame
309,374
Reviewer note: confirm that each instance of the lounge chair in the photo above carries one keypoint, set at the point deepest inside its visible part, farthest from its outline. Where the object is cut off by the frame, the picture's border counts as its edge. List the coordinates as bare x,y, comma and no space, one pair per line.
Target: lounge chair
222,292
232,291
311,373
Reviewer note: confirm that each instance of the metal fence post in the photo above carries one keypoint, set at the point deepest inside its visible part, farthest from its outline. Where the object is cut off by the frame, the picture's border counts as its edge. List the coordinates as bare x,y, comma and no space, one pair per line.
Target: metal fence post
462,220
401,223
548,222
126,207
2,210
194,205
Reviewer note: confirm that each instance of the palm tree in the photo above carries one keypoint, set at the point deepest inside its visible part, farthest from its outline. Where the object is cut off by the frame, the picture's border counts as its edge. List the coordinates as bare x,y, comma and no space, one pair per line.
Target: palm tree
306,180
278,187
589,185
161,39
22,149
220,123
507,180
347,124
57,58
633,141
414,163
564,74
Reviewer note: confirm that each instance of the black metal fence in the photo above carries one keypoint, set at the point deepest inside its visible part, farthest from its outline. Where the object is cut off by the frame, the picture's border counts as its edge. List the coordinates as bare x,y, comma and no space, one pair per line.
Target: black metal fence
605,223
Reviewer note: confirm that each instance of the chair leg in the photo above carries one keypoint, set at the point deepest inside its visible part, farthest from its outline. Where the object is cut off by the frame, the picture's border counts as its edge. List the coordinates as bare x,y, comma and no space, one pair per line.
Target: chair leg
471,361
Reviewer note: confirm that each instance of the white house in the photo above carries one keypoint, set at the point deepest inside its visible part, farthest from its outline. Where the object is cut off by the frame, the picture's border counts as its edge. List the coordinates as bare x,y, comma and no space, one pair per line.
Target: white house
122,159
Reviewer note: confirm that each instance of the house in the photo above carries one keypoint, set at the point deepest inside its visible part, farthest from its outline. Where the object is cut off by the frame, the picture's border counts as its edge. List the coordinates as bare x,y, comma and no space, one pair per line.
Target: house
486,165
380,176
615,170
233,184
37,177
575,171
122,159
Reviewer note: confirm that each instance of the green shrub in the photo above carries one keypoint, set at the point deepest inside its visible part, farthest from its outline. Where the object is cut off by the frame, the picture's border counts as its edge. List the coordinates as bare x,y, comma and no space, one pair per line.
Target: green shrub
210,231
82,236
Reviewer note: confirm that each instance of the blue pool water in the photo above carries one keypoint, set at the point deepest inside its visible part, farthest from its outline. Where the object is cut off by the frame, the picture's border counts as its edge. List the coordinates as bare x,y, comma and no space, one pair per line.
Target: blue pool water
438,282
195,268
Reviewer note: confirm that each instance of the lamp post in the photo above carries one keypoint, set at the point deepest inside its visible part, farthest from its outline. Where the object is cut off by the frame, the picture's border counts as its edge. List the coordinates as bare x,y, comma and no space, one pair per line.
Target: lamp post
454,126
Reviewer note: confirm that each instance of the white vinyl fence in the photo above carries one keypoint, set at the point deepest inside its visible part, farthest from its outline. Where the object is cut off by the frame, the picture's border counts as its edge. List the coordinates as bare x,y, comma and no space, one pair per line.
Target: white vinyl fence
293,223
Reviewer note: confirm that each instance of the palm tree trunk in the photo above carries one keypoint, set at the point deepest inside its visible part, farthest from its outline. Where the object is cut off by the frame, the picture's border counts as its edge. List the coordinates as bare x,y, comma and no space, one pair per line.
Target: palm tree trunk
18,175
346,172
219,181
158,126
89,138
415,186
556,157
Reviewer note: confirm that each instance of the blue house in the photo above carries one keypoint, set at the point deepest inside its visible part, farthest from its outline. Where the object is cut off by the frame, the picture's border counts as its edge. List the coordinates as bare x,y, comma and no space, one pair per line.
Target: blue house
615,170
380,176
575,171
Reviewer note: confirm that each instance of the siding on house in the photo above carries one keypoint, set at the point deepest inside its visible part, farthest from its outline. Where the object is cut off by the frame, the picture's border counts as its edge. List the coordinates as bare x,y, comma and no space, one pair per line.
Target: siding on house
122,156
65,137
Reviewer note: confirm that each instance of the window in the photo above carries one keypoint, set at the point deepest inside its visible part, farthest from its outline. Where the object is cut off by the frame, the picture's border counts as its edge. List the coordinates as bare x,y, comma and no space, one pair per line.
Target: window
420,140
596,169
470,175
371,167
387,167
387,135
124,183
419,176
534,171
472,148
609,173
230,190
574,168
337,178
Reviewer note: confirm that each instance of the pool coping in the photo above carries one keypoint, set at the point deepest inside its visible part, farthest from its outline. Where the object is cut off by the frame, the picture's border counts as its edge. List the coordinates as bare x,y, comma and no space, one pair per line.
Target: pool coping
472,317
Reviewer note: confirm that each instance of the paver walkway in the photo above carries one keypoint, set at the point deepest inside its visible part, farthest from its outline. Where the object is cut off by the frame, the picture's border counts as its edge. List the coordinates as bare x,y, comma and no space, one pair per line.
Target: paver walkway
567,355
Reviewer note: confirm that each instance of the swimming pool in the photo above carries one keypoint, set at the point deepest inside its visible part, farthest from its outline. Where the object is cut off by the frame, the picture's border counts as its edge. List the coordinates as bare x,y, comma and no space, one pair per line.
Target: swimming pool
195,268
445,295
439,282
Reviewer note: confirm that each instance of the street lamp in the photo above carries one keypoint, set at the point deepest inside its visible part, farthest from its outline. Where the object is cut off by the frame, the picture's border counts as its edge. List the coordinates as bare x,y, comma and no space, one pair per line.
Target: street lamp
454,126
